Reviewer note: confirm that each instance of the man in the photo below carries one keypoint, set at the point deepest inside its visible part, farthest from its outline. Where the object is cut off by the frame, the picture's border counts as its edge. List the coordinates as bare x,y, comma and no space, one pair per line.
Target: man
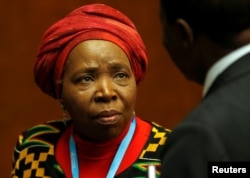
209,41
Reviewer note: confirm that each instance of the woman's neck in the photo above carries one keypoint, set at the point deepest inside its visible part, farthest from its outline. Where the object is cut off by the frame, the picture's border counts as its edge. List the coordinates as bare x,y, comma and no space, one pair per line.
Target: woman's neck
87,149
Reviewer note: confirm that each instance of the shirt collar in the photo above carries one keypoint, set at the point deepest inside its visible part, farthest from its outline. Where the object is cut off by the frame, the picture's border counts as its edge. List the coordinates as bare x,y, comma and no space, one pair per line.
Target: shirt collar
222,64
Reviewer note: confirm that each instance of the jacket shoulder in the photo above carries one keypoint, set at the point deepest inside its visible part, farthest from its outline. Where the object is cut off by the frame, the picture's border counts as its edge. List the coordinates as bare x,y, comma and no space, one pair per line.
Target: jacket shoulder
155,145
45,134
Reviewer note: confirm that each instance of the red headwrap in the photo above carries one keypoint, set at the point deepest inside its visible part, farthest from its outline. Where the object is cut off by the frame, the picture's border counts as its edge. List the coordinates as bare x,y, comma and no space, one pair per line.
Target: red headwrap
96,21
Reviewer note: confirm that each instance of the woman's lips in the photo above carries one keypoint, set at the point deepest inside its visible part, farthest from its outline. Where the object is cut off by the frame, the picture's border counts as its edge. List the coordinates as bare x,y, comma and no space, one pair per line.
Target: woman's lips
107,117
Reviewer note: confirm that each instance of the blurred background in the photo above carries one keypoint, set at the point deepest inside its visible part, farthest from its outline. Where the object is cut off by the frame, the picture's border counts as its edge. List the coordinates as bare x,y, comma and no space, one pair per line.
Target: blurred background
165,96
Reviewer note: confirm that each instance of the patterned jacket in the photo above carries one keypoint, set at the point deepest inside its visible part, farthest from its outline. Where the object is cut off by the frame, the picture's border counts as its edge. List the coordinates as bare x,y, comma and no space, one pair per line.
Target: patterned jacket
34,155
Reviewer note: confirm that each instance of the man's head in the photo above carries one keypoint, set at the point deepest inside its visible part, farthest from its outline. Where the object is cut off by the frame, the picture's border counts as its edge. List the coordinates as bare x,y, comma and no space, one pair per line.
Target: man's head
199,32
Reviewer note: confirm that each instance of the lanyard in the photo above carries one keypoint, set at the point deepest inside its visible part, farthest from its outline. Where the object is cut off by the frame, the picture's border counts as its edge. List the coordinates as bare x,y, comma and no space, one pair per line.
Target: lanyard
117,159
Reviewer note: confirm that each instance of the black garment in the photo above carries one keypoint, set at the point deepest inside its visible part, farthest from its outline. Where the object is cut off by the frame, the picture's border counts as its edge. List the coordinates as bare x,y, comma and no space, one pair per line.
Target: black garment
217,130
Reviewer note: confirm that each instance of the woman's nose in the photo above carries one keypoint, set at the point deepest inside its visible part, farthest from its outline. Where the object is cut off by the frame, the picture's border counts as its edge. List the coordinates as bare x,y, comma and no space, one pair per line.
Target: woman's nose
105,91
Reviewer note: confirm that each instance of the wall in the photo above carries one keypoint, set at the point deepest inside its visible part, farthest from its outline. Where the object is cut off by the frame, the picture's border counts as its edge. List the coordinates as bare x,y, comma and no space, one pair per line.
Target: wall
165,96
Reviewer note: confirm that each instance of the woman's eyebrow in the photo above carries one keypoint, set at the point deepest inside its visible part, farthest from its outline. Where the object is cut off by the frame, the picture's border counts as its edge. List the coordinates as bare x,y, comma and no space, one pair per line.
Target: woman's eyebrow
119,66
88,70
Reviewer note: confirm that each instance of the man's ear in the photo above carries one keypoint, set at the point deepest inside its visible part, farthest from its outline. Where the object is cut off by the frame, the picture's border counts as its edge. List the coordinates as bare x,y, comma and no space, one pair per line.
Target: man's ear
186,32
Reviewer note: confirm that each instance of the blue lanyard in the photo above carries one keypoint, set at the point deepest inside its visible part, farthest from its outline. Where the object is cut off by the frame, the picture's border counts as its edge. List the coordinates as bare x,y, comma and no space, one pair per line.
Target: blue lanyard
117,159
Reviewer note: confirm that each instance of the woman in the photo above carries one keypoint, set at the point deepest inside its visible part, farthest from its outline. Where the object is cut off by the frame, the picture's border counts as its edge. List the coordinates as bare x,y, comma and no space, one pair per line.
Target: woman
91,61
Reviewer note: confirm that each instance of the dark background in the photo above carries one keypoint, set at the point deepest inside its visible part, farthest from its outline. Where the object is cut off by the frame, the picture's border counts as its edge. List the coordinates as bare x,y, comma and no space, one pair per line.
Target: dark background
165,96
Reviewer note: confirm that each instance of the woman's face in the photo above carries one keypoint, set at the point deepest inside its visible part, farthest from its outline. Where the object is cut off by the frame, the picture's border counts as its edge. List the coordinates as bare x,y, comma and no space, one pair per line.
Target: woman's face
98,89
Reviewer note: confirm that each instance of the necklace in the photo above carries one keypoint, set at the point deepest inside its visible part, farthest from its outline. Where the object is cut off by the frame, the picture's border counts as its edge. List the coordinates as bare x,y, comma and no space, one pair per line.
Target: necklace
117,159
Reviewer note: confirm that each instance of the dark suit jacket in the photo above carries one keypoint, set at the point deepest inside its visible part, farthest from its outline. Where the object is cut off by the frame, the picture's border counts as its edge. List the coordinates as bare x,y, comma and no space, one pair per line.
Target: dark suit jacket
217,130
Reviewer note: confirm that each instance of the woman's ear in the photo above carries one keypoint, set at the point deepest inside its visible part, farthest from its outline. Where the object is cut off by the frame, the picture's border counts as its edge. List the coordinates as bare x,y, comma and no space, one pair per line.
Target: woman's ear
185,32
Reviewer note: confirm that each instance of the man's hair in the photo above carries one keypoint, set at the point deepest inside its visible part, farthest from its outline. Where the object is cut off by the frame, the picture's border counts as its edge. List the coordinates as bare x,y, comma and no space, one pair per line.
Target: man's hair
221,20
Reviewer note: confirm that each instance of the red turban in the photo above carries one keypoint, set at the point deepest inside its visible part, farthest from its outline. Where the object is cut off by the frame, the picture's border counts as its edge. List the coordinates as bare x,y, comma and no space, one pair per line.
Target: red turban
96,21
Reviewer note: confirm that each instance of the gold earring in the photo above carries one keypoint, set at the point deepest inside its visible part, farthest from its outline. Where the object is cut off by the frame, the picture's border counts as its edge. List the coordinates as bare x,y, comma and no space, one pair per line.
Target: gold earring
64,115
133,115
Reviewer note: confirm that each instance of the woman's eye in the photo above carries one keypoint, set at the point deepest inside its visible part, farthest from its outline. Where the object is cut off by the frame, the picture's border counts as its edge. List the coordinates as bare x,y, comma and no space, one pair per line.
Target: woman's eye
121,78
121,75
84,79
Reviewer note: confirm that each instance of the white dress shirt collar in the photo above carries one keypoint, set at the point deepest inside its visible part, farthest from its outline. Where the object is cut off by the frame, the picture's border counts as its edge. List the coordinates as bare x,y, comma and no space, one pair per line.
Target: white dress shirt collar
222,64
